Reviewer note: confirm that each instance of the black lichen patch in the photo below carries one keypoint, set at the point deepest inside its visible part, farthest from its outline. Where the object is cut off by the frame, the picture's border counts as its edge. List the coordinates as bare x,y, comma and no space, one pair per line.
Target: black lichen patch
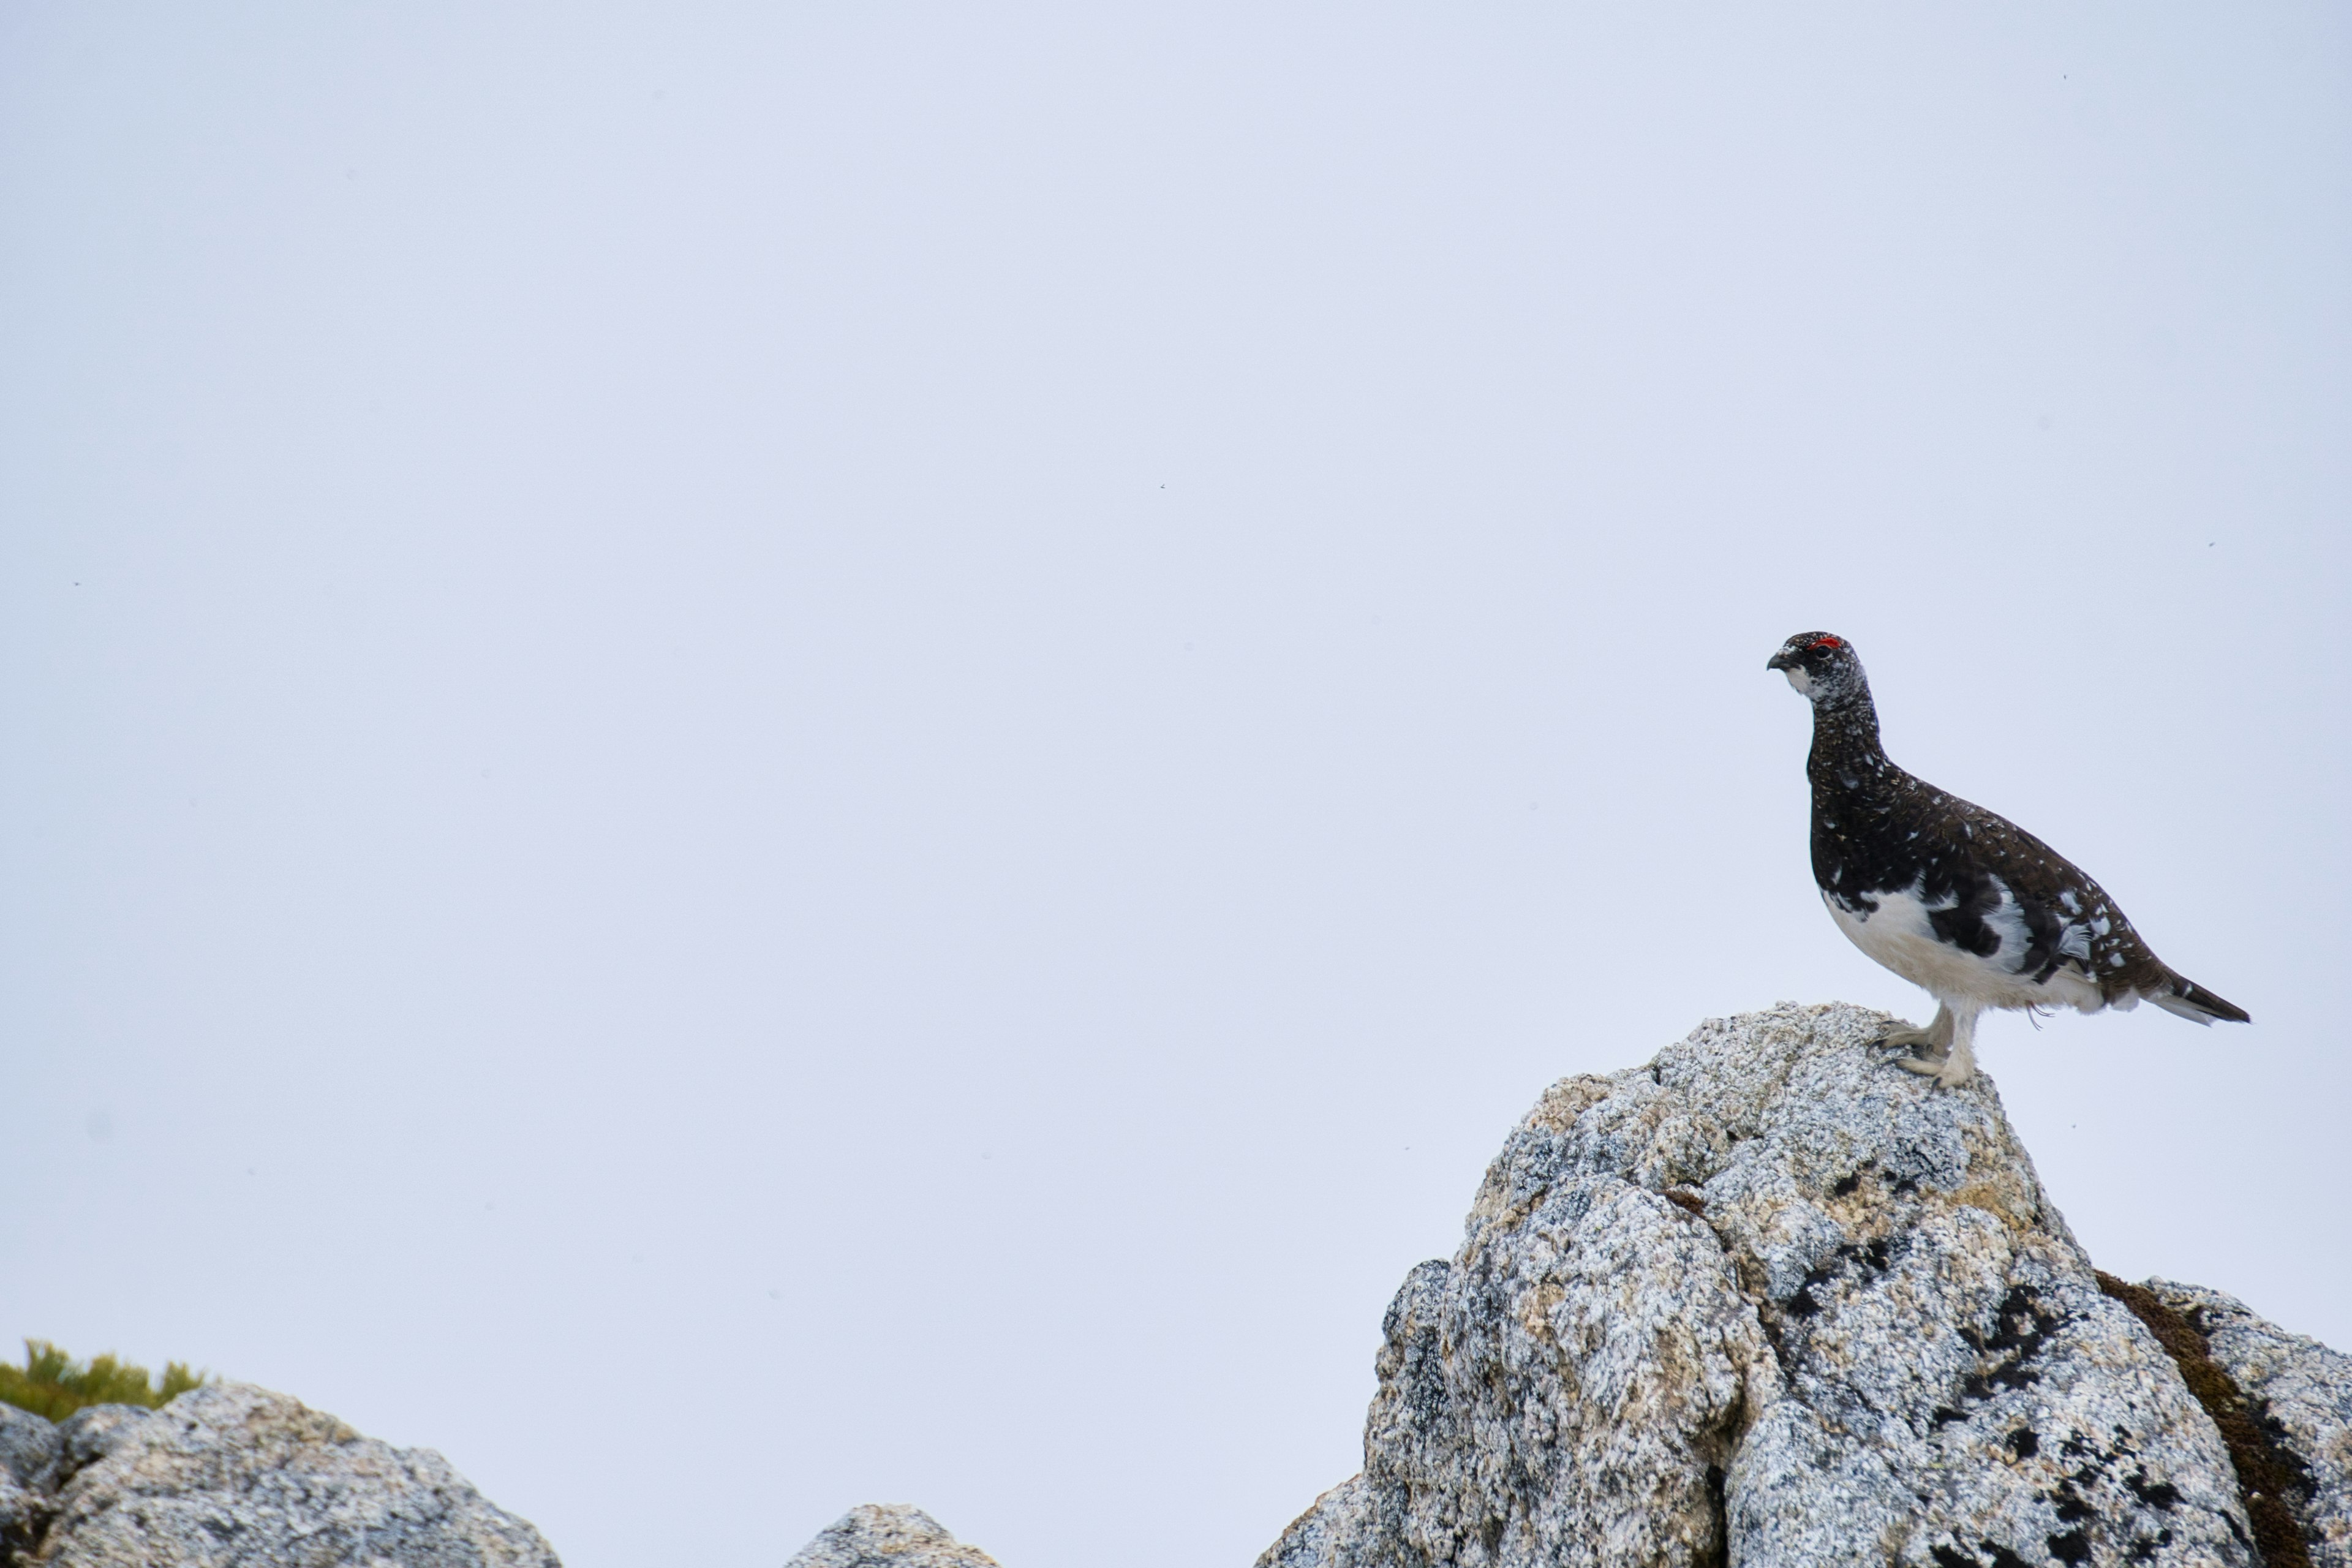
1996,1556
1864,1257
2102,1468
1873,1256
2024,1443
2067,1503
2022,1323
1802,1302
2268,1475
2021,1327
1847,1186
2156,1494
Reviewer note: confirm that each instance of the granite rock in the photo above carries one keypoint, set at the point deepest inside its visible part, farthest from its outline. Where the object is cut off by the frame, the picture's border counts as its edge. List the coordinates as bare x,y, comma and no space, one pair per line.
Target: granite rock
30,1449
2301,1395
1769,1301
234,1474
90,1434
1332,1531
888,1535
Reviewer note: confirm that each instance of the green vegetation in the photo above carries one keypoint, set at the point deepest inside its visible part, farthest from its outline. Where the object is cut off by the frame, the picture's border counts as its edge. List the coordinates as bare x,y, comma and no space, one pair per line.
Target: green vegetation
54,1384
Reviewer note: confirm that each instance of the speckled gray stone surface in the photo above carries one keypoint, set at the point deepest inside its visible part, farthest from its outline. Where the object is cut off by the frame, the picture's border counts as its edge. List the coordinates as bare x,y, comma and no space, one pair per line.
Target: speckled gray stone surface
1863,1334
2301,1392
90,1434
888,1535
230,1474
29,1449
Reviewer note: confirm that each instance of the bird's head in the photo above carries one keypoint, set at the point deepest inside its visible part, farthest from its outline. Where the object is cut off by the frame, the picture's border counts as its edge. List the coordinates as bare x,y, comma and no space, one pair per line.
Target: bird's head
1822,667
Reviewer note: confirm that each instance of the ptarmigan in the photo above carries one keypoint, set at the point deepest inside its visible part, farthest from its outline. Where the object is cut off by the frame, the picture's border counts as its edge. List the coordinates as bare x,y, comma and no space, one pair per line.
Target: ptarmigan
1952,898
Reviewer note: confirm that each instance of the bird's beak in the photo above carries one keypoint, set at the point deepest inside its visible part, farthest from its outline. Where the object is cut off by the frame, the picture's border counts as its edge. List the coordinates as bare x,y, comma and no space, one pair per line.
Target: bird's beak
1784,659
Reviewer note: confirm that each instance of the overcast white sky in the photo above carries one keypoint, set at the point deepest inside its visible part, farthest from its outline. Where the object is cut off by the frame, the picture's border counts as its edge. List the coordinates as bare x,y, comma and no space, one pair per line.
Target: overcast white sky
765,757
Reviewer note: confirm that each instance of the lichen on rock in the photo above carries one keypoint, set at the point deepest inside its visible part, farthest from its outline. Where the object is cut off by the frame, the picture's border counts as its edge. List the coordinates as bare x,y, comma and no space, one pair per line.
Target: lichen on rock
1766,1302
2297,1396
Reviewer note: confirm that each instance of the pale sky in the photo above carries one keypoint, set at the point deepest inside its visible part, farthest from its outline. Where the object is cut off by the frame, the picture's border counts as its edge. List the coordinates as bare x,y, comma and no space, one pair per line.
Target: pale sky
759,758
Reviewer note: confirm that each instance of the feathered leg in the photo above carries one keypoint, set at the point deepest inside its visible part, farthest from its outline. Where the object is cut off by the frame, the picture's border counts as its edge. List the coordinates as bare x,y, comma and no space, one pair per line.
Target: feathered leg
1962,1064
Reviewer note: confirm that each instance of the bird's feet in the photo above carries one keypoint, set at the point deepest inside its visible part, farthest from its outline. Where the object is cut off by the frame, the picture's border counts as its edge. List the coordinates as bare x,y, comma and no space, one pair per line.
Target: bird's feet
1932,1059
1924,1066
1928,1052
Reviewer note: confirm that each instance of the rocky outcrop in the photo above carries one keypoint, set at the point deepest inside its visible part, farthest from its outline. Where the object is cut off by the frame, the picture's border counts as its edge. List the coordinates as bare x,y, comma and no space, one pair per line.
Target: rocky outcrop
2296,1396
1765,1301
234,1474
888,1535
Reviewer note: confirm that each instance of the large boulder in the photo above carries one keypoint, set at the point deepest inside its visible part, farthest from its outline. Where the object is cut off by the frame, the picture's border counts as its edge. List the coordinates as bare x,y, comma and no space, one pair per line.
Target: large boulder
1769,1301
233,1474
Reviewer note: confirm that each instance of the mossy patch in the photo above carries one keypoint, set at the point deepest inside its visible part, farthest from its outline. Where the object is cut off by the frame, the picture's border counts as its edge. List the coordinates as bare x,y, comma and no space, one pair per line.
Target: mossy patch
54,1384
2267,1474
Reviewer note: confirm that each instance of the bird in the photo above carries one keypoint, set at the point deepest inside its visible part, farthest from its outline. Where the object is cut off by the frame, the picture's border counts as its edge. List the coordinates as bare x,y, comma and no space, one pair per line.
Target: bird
1959,902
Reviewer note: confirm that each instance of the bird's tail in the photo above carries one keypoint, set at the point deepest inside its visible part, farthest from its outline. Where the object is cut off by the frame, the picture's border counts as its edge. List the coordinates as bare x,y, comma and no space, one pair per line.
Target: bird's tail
2194,1002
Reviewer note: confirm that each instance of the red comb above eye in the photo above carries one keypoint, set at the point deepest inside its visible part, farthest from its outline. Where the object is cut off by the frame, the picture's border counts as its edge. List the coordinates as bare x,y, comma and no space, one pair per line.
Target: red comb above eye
1829,642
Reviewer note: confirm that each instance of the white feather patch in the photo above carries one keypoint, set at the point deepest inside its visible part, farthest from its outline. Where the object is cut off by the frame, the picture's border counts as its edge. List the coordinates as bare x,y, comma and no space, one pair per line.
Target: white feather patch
1899,935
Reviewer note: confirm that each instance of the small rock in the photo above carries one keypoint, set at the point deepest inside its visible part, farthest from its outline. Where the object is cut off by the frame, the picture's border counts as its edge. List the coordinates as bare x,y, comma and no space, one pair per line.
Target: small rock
232,1473
888,1535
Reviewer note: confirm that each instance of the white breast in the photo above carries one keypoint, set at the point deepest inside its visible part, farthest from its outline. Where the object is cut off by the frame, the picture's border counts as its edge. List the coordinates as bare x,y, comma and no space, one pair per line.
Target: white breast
1897,933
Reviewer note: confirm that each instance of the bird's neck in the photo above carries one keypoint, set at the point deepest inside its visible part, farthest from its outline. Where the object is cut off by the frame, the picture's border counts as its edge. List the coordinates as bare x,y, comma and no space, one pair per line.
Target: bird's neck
1846,755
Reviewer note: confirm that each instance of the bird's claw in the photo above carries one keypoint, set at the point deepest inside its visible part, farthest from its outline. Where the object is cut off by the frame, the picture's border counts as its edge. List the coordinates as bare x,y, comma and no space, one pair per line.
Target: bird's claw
1928,1059
1920,1051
